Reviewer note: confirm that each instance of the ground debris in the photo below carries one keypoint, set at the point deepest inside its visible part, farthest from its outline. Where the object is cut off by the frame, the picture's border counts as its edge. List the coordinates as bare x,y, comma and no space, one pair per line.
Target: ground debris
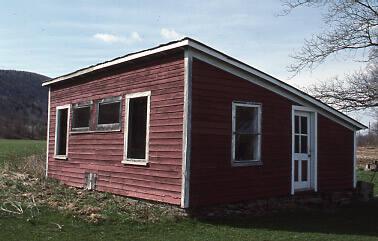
94,207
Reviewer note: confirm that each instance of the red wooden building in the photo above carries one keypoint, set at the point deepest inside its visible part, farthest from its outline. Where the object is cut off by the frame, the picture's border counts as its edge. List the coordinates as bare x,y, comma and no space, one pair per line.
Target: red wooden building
185,124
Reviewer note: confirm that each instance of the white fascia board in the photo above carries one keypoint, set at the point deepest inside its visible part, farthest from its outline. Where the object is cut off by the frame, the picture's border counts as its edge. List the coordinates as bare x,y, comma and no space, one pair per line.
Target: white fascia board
284,89
119,61
290,91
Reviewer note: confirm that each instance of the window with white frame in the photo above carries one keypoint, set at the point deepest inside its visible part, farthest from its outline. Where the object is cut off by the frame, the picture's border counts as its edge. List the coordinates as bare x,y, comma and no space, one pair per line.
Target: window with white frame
61,131
246,133
81,115
137,121
109,114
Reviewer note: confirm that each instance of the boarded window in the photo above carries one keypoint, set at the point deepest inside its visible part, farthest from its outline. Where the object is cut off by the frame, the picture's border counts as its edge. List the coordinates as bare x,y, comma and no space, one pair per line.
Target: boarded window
246,132
81,117
109,114
137,127
61,132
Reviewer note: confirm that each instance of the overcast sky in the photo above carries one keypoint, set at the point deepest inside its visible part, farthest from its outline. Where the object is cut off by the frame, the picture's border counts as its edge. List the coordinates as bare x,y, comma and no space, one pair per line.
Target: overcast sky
57,37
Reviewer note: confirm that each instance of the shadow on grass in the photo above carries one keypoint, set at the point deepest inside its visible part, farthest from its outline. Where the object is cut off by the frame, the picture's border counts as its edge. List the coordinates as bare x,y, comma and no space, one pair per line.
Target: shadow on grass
360,218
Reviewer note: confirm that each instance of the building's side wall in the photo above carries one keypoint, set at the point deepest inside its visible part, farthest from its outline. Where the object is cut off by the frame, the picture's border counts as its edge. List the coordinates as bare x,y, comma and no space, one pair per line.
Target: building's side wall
212,178
335,156
102,153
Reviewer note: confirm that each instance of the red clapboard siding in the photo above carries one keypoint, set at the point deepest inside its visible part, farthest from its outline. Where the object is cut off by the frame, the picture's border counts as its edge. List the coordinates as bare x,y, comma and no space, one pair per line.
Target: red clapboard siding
214,181
102,153
335,156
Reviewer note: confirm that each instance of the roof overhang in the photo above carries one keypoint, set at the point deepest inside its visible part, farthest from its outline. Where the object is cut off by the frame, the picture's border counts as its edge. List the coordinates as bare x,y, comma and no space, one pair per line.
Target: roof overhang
198,46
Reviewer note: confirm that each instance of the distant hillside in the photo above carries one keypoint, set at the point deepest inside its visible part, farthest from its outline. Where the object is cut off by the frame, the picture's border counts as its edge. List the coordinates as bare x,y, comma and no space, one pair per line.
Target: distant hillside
23,105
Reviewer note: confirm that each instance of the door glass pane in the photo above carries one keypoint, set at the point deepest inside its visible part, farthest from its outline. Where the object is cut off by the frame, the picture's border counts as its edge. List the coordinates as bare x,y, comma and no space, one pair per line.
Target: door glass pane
296,170
246,147
304,170
296,124
303,124
296,144
303,144
246,120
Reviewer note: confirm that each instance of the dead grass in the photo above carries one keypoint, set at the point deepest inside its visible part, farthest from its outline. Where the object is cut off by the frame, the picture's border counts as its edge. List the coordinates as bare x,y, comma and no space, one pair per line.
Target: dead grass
25,194
24,189
366,155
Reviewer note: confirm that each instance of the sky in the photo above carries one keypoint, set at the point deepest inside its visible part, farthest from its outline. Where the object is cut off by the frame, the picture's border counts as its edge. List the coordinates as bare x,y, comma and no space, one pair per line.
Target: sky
57,37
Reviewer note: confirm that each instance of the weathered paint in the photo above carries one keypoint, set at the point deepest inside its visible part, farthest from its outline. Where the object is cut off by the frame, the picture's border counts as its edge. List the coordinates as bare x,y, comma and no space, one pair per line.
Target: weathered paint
102,152
212,178
335,156
215,181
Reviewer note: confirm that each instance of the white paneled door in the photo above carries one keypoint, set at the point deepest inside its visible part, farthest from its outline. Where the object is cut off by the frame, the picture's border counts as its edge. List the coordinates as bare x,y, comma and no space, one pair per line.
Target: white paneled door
302,150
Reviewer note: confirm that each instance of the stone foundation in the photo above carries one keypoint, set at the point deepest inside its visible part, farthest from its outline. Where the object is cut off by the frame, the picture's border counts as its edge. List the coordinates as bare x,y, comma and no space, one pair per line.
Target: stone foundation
260,207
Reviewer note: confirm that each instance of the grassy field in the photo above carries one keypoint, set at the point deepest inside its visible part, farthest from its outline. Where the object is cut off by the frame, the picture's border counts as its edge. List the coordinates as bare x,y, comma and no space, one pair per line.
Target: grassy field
51,211
17,149
350,223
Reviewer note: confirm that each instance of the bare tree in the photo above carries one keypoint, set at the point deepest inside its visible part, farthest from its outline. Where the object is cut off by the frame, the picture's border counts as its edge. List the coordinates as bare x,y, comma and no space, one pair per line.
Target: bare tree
357,91
352,29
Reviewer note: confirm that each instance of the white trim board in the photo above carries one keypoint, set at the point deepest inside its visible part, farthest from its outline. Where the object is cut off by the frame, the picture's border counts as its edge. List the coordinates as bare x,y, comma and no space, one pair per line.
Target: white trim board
133,161
116,61
186,149
68,107
48,132
211,55
268,85
354,160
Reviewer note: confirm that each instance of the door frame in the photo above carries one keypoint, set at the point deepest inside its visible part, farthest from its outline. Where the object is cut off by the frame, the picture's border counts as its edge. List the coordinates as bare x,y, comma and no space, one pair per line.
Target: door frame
313,146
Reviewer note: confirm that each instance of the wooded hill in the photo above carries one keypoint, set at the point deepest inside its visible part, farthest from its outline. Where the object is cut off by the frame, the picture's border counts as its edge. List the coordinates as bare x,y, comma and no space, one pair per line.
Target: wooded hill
23,105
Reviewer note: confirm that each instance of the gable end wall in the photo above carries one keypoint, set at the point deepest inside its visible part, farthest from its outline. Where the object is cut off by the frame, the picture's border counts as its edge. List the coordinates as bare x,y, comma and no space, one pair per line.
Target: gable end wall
102,153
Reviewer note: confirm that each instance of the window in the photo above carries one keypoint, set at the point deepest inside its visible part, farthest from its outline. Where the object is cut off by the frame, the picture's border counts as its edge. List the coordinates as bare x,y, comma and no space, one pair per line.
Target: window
246,133
81,114
109,114
61,131
137,128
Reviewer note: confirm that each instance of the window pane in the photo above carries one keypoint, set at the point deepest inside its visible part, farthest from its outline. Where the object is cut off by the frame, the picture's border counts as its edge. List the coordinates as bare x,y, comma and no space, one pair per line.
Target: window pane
296,144
296,124
303,124
303,144
108,113
246,147
246,120
81,117
61,132
296,170
137,127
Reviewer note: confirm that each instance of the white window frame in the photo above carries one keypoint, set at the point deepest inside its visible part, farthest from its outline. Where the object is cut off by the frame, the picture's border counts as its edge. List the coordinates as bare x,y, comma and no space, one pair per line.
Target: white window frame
133,161
78,106
258,161
112,126
68,107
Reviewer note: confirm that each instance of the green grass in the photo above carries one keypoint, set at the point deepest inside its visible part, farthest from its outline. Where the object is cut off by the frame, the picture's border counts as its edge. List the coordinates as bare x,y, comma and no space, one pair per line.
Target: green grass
357,221
367,177
17,149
